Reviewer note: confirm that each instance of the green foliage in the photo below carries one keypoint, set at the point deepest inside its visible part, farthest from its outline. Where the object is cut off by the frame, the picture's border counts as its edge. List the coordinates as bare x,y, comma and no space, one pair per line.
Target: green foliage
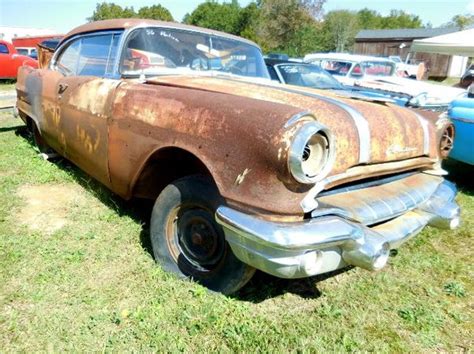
461,21
340,28
401,19
105,11
155,12
224,17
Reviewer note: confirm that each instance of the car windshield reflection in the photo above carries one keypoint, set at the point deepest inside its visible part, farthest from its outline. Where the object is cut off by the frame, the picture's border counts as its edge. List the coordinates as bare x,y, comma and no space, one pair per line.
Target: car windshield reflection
157,51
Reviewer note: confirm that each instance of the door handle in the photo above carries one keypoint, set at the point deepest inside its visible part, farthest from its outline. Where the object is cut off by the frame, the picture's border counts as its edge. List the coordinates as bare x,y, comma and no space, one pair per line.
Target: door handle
62,88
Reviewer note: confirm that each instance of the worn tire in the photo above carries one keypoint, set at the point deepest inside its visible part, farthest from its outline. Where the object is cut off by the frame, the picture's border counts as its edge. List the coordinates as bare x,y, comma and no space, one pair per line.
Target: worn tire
188,242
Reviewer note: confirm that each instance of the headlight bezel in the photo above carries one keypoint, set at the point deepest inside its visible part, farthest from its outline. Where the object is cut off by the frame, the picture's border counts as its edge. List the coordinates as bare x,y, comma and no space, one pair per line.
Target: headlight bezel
300,141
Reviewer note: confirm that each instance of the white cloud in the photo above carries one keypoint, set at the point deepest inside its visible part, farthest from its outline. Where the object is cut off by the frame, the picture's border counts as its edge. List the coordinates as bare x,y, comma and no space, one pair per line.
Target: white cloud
470,6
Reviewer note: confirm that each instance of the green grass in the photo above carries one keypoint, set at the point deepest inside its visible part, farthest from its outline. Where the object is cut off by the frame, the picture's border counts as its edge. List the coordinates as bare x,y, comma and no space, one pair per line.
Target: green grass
90,284
6,85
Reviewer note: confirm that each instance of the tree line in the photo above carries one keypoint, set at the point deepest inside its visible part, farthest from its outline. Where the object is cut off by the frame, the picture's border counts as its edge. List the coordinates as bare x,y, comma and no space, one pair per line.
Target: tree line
294,27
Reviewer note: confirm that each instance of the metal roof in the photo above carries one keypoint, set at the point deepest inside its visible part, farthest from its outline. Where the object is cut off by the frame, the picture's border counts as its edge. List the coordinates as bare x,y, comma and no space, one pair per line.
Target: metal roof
125,23
404,33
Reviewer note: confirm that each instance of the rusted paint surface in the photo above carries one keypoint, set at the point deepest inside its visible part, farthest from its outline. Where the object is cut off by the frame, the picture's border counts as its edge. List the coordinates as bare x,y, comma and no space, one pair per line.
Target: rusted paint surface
237,129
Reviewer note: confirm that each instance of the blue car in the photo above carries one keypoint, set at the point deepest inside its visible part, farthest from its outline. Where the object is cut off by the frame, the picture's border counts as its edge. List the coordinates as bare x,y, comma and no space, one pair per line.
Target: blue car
461,112
313,76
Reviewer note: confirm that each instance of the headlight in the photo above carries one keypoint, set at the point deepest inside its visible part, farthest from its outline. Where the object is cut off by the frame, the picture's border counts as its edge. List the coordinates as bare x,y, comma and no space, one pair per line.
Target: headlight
311,153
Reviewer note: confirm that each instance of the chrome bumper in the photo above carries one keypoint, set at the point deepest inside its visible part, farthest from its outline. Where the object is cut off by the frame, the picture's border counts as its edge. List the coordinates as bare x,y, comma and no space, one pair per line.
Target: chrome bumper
329,242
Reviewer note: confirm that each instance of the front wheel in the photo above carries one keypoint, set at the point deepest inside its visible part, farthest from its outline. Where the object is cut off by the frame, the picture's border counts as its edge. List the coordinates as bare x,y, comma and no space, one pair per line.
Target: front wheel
187,240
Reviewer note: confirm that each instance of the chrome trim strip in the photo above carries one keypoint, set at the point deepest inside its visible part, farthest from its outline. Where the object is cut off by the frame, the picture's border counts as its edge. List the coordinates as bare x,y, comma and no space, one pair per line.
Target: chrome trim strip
426,134
361,123
464,120
295,118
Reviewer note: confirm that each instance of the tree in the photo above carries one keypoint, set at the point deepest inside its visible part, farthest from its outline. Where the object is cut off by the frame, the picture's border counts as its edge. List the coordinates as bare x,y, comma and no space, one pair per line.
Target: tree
105,11
461,21
155,12
401,19
286,25
222,17
369,19
314,8
340,28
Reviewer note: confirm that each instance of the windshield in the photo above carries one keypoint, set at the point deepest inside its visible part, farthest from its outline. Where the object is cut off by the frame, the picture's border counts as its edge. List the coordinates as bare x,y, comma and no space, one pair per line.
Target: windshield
378,68
155,51
336,67
308,75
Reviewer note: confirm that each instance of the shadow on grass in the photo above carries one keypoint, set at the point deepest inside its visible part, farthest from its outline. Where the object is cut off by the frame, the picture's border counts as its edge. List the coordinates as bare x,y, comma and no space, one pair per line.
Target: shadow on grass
138,210
262,287
8,129
461,174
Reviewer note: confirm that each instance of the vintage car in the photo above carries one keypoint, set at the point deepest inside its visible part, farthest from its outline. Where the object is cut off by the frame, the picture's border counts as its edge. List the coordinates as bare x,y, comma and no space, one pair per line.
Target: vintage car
461,112
308,75
246,174
413,71
10,61
467,78
380,73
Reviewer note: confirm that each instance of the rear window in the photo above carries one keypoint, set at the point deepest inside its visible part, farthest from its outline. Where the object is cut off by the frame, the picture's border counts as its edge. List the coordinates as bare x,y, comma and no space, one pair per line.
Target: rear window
378,68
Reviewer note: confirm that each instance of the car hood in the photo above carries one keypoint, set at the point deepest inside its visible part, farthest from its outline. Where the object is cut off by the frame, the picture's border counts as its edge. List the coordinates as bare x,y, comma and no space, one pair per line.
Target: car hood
434,94
365,132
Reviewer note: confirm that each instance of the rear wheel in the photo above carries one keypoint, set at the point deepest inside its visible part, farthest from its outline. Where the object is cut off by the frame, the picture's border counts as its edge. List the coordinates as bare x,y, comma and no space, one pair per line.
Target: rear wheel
187,240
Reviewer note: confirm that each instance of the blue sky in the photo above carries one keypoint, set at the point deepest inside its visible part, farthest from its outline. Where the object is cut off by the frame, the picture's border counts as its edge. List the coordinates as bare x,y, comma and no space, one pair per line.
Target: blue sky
63,15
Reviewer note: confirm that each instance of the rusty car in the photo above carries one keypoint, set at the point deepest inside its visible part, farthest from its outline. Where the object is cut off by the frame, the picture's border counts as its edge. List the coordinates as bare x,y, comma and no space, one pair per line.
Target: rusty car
245,173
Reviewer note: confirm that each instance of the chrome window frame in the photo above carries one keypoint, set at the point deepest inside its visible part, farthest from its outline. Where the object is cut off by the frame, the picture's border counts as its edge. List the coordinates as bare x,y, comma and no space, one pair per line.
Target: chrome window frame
60,50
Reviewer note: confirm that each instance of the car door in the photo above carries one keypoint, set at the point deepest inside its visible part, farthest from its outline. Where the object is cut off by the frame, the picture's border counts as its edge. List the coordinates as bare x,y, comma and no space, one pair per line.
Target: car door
84,98
6,62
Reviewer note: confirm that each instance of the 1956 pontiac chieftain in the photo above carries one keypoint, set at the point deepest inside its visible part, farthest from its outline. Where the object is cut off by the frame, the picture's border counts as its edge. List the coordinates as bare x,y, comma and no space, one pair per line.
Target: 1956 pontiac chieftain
247,174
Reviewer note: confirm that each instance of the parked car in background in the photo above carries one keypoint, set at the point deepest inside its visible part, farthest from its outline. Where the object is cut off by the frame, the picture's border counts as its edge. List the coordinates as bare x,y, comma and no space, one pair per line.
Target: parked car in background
10,61
379,73
461,112
31,52
413,71
468,77
246,174
313,76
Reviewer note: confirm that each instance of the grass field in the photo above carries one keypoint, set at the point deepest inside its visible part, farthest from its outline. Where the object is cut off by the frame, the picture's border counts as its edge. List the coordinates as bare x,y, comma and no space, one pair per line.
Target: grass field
77,274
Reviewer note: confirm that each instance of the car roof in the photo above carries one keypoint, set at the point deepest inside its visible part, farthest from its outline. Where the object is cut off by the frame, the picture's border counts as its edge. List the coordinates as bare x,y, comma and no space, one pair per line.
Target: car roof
126,23
345,56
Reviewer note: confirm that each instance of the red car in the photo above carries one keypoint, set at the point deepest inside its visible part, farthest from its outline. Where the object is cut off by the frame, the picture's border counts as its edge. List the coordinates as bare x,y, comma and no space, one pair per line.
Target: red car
10,61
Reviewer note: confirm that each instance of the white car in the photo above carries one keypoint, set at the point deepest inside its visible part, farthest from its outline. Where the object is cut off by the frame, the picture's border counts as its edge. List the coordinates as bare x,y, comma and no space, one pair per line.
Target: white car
380,73
413,71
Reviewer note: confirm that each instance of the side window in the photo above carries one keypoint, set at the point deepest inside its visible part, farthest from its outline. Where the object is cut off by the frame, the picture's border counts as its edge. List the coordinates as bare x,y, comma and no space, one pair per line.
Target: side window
93,55
3,49
90,56
67,62
273,74
357,71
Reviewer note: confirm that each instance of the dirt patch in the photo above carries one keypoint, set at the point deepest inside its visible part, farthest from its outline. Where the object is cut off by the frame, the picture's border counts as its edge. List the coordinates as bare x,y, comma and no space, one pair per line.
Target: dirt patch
47,206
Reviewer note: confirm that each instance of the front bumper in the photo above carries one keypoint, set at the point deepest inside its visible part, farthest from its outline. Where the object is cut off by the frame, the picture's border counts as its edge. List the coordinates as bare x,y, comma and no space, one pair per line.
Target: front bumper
333,240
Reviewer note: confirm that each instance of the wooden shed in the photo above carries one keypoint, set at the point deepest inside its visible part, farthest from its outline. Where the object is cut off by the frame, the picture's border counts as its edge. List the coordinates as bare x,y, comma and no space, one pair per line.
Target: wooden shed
398,42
